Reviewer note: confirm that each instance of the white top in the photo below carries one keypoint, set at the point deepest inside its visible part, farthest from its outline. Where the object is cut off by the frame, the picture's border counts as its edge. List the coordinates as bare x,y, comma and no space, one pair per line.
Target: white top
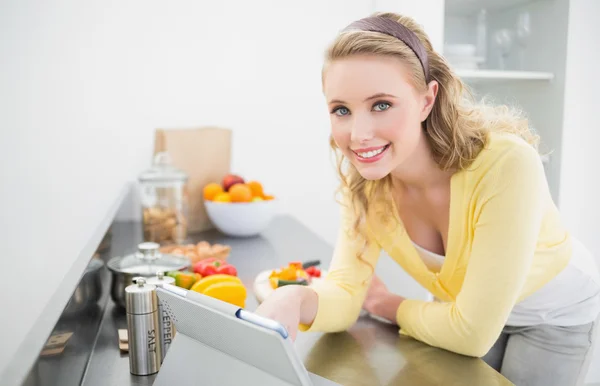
571,298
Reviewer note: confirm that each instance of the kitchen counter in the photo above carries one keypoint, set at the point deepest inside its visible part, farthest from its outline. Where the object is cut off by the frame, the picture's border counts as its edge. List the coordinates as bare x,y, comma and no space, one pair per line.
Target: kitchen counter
369,353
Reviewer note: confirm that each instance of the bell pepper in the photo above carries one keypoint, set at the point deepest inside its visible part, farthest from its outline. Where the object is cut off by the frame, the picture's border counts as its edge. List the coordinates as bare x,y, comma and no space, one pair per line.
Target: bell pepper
184,279
295,264
214,266
206,282
227,291
227,288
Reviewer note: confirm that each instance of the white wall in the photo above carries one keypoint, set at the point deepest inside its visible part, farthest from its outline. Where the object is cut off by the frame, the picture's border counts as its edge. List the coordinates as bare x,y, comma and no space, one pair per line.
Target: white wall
580,178
83,85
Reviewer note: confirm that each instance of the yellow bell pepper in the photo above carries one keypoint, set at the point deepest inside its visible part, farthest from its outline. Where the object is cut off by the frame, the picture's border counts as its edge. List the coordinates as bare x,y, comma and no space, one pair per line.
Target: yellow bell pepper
230,292
201,285
224,287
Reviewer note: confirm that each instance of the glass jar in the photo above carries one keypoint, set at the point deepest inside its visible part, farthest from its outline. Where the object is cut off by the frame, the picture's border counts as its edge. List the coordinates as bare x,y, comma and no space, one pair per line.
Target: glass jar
164,202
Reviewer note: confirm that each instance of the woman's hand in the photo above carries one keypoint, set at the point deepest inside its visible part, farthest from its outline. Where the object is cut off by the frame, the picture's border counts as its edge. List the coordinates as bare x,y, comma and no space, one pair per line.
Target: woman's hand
381,302
290,305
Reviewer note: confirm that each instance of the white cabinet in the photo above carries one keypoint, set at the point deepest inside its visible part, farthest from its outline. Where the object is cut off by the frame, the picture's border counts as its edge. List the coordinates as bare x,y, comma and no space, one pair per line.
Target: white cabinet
523,65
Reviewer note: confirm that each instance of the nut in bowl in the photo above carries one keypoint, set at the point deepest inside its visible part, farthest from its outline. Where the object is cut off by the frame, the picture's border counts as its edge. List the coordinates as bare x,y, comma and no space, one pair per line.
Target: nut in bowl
239,208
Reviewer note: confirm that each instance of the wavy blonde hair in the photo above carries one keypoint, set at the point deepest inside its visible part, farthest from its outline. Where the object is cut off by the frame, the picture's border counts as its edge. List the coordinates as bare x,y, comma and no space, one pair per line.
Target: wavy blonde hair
456,129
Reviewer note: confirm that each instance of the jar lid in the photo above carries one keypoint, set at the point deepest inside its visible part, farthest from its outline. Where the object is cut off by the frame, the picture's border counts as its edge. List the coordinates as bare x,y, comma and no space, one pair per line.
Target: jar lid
140,297
162,170
147,261
160,279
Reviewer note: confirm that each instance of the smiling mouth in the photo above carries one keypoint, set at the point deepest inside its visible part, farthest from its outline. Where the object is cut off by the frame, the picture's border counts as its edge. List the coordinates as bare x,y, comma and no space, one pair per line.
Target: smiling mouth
371,153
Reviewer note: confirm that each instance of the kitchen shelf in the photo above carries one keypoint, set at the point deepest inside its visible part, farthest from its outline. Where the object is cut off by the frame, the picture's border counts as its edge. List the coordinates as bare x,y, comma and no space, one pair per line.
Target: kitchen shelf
471,7
499,75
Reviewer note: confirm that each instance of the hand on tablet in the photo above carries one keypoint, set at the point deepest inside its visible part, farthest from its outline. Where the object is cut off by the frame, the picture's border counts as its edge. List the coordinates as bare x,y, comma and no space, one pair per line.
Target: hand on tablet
289,305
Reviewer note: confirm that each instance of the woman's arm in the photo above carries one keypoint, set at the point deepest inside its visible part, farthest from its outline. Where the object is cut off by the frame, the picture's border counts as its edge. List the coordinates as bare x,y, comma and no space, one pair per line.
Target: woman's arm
507,226
340,295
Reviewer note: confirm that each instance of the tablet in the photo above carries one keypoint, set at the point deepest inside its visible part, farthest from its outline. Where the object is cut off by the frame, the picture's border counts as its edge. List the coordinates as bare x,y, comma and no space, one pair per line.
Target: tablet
227,344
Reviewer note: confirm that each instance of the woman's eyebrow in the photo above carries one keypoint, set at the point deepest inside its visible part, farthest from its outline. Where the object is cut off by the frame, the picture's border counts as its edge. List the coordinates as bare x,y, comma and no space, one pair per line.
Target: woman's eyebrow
378,95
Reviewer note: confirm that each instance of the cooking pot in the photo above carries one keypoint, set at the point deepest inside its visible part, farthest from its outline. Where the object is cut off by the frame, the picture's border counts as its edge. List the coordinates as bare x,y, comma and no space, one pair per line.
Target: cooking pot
88,291
146,262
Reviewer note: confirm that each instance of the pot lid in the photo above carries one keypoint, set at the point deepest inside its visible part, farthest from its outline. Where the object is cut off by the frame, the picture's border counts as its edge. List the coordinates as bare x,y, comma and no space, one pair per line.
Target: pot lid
162,170
147,261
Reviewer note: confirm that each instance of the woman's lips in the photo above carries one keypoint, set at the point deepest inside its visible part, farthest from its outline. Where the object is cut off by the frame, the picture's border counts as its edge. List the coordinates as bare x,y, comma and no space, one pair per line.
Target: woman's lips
370,154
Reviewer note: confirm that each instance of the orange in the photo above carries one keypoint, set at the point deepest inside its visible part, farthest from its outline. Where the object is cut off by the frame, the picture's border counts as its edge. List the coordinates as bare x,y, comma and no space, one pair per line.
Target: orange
240,193
212,190
256,188
269,197
222,197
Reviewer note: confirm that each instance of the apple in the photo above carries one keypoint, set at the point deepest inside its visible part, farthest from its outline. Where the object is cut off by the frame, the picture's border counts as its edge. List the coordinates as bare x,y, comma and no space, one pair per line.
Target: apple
231,179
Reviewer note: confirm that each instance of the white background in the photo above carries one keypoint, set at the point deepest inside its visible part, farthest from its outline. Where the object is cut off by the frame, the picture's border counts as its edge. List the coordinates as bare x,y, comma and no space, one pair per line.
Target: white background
83,85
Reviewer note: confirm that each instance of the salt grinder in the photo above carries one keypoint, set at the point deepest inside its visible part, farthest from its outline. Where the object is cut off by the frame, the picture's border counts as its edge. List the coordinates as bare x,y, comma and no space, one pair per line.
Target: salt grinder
166,326
141,304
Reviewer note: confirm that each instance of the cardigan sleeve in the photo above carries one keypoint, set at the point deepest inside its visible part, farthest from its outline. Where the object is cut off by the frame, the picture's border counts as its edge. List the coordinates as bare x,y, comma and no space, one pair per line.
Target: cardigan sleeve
342,292
505,233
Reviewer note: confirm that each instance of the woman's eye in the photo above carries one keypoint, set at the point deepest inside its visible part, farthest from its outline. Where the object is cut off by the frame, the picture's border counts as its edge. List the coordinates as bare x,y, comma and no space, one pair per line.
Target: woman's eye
341,111
381,106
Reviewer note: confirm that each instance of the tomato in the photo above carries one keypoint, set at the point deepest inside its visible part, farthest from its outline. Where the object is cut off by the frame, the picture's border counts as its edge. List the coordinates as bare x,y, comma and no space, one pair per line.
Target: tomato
313,271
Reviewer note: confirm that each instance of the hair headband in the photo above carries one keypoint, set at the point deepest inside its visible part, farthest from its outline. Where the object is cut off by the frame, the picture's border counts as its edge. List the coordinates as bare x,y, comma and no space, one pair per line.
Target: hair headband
393,28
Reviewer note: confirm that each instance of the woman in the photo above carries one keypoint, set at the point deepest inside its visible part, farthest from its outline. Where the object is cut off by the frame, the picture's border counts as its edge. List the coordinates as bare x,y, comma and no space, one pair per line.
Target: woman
456,194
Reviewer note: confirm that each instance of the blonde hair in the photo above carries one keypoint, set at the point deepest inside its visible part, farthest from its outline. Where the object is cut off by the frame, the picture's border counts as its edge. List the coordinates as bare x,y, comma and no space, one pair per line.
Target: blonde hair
456,129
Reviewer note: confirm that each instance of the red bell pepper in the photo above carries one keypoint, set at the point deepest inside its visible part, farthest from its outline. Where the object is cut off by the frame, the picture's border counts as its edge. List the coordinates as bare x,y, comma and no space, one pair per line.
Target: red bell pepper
213,266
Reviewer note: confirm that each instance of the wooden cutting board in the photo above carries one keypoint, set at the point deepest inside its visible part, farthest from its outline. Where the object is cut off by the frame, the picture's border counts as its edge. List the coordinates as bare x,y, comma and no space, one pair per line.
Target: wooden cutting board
262,288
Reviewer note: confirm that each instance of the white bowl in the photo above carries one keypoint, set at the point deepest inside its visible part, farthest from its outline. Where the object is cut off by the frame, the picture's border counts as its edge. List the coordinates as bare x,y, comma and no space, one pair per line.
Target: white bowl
241,219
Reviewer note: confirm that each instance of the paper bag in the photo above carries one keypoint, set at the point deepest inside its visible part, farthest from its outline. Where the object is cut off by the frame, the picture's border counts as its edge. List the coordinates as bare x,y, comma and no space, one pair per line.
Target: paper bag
205,155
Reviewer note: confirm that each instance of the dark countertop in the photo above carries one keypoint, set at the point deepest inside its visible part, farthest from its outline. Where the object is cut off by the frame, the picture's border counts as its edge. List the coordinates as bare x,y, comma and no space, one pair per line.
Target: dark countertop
370,353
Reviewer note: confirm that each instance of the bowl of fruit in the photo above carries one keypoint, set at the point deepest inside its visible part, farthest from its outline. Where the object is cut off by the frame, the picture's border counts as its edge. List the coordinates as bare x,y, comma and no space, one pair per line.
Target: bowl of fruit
237,207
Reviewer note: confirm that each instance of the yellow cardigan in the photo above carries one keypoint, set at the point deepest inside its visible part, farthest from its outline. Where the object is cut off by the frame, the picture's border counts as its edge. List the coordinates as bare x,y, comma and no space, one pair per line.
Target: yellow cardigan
505,241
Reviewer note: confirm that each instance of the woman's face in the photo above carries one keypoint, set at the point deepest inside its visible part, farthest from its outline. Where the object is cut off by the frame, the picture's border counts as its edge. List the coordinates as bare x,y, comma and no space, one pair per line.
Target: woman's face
375,112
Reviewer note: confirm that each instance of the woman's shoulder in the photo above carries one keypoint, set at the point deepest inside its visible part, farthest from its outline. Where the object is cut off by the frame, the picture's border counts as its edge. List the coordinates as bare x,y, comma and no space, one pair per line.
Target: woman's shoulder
505,152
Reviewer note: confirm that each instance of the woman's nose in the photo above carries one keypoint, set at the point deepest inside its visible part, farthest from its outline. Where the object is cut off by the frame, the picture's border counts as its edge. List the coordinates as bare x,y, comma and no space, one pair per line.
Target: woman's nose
362,131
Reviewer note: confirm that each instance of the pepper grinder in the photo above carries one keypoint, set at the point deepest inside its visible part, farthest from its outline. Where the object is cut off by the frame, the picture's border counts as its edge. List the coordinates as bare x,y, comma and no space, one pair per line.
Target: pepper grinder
166,326
141,304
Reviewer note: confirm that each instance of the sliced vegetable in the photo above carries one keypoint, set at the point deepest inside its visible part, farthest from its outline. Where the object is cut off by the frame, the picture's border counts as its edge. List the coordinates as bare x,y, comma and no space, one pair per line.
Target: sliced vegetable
293,272
201,285
281,283
227,291
295,264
